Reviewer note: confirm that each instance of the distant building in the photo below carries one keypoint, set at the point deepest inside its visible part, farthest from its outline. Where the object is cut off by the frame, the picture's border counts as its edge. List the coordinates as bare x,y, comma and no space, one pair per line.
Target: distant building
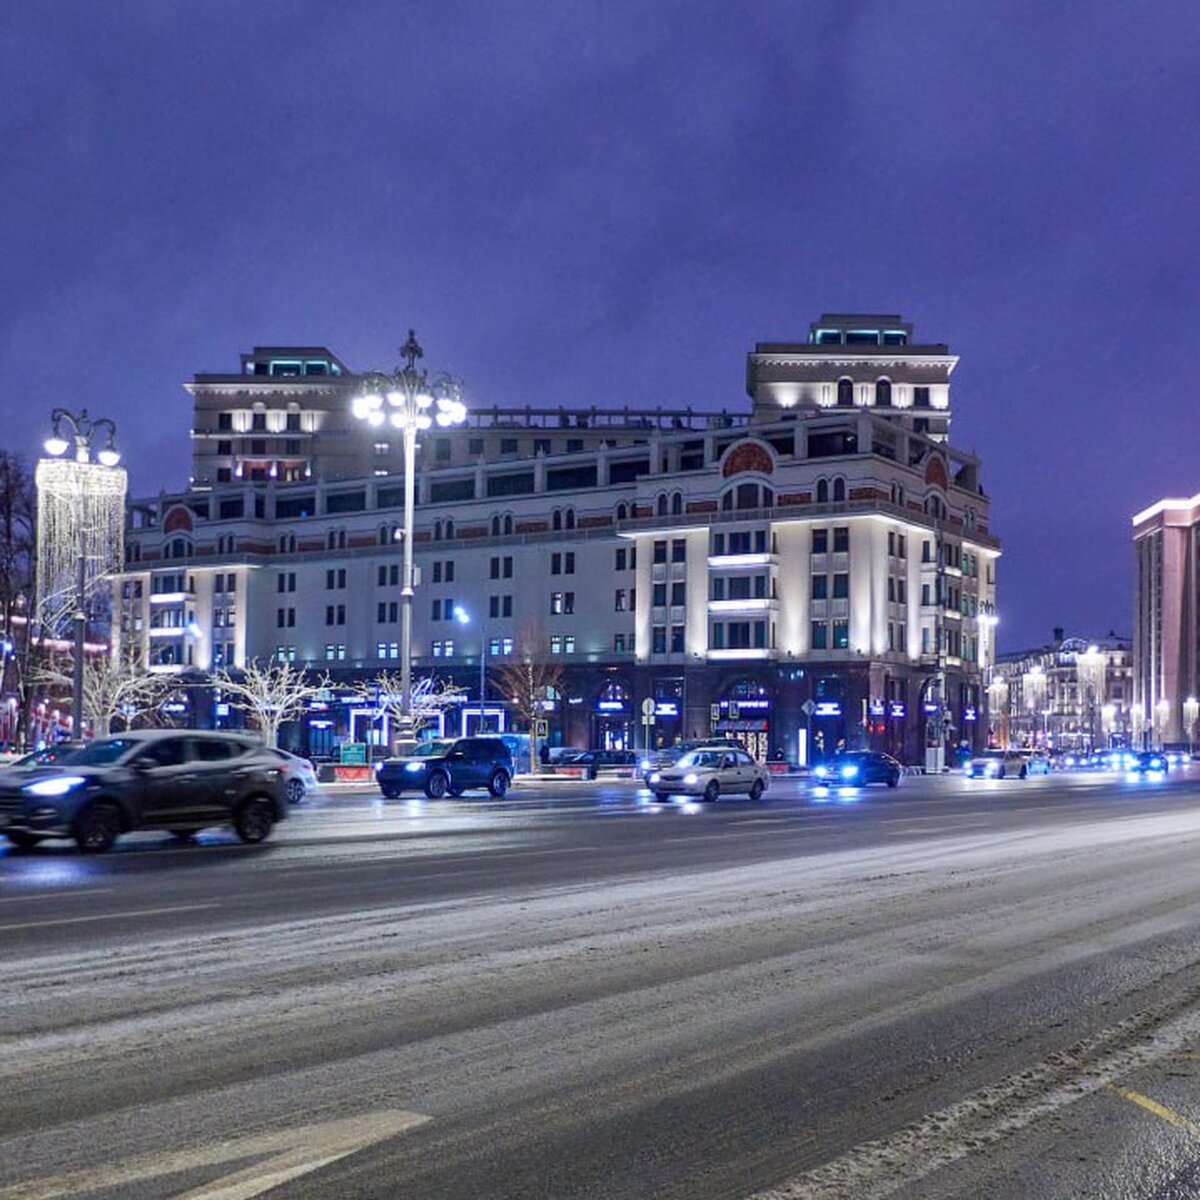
1073,694
1166,635
797,574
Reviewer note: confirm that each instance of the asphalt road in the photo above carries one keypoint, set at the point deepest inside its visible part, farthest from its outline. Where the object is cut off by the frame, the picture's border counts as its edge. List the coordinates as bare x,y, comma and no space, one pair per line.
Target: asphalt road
954,989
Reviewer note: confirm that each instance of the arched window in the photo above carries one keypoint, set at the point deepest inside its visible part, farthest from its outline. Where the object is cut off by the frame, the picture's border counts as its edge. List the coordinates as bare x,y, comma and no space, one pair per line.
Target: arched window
179,548
934,507
897,495
747,495
495,524
969,518
883,393
661,506
677,504
845,397
569,519
384,535
341,539
556,519
768,498
449,527
331,540
622,511
437,531
508,523
839,489
822,491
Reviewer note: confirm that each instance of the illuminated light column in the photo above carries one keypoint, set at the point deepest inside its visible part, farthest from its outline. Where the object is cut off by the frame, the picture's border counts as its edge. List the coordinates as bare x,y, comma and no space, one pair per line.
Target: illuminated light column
81,524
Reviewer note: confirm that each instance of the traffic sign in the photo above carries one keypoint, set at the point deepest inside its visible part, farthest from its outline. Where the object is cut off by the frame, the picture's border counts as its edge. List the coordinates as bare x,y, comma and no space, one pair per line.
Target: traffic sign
808,708
648,707
714,712
541,728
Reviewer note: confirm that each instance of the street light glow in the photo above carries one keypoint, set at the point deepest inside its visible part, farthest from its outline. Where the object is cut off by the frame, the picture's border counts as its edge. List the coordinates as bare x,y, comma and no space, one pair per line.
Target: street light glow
56,445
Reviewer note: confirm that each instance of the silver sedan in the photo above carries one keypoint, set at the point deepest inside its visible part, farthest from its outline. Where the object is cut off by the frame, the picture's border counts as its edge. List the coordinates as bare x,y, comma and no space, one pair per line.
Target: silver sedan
710,774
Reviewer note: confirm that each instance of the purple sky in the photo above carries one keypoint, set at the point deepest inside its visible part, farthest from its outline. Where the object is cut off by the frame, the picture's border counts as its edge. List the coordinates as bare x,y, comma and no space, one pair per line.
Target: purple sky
607,203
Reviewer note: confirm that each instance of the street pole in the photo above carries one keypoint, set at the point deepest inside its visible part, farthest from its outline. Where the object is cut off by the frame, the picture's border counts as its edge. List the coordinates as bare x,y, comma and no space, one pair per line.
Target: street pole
409,401
406,591
80,635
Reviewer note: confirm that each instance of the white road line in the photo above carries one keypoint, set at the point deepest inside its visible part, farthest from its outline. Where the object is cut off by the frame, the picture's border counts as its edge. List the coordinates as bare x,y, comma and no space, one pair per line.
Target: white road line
287,1154
113,916
65,894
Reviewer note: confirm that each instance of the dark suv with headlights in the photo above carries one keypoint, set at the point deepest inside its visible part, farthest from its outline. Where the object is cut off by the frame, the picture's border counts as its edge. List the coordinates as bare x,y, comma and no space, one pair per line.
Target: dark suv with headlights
448,767
180,781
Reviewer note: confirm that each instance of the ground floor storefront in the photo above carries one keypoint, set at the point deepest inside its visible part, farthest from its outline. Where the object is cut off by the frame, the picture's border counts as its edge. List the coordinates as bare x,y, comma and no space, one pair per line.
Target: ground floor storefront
785,712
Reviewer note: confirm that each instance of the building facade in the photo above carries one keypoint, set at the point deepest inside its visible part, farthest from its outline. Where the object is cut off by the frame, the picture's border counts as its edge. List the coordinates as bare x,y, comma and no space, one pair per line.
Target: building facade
1073,695
815,570
1166,632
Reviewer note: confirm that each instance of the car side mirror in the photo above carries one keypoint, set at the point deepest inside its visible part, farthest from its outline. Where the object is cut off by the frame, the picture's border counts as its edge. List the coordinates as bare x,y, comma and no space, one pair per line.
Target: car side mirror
140,765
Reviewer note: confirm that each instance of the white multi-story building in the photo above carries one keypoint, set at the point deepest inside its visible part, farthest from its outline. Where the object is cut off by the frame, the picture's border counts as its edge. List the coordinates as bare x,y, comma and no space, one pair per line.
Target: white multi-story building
798,574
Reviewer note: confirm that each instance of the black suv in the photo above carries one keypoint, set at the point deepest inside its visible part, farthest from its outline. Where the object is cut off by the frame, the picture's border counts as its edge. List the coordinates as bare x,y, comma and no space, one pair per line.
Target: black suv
449,767
180,781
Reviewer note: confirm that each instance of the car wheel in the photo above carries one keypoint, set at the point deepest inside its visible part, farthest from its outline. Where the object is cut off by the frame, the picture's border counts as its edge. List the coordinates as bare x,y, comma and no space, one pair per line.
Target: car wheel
1024,772
712,791
1000,773
756,790
662,797
498,784
436,786
893,780
390,793
253,819
23,841
97,828
295,791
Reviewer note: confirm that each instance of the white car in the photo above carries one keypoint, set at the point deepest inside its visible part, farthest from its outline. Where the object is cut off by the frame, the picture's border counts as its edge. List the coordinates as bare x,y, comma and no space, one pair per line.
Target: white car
1007,764
299,775
709,774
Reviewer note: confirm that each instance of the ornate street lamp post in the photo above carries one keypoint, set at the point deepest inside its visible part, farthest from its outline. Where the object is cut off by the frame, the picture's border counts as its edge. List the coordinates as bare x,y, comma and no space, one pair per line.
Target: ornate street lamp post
409,401
80,516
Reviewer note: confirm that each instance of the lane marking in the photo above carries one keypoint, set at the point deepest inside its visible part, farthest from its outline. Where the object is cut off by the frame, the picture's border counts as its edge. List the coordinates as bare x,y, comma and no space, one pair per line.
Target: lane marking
65,894
1159,1110
289,1153
113,916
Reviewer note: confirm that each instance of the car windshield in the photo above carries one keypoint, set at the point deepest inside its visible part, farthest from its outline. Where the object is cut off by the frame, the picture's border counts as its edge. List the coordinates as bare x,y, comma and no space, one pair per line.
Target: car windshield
430,749
100,754
701,758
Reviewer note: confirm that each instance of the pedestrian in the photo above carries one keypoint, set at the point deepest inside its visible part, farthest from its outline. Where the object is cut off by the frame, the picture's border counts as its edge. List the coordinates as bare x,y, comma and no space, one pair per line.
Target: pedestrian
544,754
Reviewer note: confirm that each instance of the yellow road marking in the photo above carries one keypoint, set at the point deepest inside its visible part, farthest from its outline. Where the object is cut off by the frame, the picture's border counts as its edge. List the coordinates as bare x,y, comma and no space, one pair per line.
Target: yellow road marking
1159,1110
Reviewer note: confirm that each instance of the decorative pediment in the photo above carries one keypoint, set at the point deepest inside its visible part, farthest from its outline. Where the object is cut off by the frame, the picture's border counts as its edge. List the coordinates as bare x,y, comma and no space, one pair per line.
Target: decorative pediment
936,474
179,518
747,456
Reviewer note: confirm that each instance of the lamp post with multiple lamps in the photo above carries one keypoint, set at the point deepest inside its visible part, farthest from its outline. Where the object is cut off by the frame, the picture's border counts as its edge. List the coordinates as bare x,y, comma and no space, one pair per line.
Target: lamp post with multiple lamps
409,401
464,618
80,487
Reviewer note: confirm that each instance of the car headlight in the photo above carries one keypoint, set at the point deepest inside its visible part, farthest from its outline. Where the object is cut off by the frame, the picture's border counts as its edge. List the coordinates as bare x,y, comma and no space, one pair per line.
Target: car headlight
691,778
414,766
849,772
655,777
821,772
645,764
59,786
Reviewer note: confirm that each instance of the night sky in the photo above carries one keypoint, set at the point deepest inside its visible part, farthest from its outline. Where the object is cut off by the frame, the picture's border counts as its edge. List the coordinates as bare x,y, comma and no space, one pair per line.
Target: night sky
610,203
